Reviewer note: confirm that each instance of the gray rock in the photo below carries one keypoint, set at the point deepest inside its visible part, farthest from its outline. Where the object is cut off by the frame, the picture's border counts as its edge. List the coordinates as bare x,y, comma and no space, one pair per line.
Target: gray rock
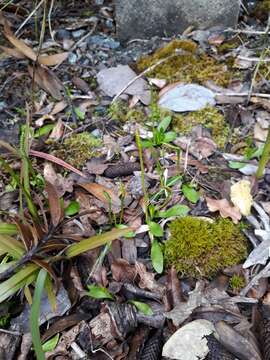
144,19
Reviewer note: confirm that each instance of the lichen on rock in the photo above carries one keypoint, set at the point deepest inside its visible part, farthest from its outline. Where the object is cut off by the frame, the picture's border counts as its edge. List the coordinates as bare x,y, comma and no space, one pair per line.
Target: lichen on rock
199,248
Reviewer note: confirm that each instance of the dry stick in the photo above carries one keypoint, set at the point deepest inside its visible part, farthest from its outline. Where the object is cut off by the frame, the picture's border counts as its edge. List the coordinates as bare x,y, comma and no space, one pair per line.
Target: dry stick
29,16
248,32
142,74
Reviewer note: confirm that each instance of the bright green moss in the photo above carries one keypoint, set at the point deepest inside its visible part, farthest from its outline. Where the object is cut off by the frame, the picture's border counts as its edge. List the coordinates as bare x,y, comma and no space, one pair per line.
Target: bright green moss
198,248
78,148
185,64
237,282
209,117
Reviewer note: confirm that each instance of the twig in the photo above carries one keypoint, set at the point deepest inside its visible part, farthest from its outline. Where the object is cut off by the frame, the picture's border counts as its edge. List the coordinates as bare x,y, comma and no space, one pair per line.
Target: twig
248,32
142,74
29,16
243,94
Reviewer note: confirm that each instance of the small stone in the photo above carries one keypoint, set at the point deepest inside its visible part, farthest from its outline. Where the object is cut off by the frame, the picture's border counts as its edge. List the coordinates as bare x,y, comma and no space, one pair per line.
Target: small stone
72,58
78,34
62,34
102,41
145,19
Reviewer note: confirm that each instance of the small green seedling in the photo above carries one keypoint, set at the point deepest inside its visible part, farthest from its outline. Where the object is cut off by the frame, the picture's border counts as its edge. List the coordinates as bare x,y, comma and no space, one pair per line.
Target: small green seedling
99,292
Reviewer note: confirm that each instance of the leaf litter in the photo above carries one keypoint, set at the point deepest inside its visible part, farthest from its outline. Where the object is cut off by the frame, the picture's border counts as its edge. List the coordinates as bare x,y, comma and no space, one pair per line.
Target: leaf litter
98,224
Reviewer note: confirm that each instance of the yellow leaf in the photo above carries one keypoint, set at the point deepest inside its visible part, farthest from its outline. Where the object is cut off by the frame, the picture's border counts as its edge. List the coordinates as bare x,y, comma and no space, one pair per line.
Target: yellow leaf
241,196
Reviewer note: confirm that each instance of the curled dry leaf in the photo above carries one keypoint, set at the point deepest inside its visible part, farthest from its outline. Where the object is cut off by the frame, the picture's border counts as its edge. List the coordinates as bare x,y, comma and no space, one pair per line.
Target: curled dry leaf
241,196
147,280
47,80
122,271
105,195
56,210
225,209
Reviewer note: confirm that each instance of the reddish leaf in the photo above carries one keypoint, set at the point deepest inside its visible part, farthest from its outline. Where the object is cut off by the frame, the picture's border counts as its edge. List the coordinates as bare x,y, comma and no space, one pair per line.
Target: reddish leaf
56,210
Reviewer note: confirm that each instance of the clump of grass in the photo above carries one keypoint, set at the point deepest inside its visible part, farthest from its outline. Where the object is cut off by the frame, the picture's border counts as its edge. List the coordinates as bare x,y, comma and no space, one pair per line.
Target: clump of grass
199,248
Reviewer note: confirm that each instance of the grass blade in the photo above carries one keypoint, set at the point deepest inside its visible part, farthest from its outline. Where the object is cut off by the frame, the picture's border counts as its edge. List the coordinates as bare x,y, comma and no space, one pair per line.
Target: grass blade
34,316
95,241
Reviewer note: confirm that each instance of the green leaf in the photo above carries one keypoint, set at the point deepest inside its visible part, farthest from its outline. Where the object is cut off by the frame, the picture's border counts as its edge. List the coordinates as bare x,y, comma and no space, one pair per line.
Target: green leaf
8,229
50,345
190,193
157,257
146,143
34,315
23,277
142,307
72,208
79,113
95,241
165,123
99,292
11,246
155,229
44,130
176,210
236,165
169,137
130,234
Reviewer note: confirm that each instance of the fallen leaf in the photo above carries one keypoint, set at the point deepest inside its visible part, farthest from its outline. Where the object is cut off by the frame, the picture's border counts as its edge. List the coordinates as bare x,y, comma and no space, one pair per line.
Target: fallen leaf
241,196
52,60
13,52
189,342
225,209
19,44
56,210
47,80
105,195
61,184
147,280
186,97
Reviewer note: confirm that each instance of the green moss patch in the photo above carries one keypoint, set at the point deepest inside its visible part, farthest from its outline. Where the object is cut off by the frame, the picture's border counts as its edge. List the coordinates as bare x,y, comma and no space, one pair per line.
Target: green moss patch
198,248
209,117
78,148
185,64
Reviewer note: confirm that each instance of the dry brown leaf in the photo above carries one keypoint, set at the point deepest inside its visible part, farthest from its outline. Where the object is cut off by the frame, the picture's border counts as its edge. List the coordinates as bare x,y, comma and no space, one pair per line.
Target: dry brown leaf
100,191
57,131
13,52
56,210
47,80
19,44
52,60
122,271
61,184
225,209
147,280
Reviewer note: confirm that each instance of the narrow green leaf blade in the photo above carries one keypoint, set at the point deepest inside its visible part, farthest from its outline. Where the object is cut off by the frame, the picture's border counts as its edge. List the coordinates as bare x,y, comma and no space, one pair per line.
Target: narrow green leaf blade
34,315
95,241
11,246
165,123
157,257
8,229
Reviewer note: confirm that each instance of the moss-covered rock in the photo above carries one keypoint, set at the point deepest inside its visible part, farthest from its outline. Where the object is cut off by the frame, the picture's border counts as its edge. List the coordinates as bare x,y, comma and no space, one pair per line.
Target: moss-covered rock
78,148
199,248
185,64
209,117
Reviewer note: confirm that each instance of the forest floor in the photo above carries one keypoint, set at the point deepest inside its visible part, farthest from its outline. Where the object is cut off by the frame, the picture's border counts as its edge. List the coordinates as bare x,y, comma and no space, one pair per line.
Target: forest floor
134,192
